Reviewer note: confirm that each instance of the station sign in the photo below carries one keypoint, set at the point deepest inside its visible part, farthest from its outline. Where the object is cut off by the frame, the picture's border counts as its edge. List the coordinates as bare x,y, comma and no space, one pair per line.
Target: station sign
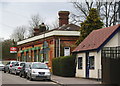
13,49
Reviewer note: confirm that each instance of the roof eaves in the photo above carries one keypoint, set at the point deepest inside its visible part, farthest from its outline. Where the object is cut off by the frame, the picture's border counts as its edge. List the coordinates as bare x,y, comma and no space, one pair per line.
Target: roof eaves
103,44
84,51
108,39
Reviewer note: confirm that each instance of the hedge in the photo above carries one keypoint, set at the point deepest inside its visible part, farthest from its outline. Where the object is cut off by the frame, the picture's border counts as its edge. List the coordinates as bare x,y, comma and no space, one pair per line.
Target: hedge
64,66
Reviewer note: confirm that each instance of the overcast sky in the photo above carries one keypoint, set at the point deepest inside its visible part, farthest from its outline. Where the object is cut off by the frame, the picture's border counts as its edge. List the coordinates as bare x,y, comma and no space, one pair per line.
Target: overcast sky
13,14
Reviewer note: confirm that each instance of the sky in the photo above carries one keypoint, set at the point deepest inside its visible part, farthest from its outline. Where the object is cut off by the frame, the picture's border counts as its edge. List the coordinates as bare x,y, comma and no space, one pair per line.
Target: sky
13,14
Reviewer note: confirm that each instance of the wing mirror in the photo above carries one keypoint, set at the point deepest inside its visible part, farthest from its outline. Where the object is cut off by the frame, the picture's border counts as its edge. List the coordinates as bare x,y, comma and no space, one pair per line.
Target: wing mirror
49,68
30,67
11,65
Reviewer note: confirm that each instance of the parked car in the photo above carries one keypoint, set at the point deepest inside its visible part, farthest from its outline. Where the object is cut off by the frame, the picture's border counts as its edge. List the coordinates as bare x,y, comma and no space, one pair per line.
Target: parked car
16,68
8,66
24,70
1,67
38,71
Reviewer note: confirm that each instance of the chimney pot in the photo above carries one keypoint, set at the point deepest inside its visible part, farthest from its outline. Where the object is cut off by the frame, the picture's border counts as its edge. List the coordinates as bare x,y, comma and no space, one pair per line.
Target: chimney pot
36,31
63,17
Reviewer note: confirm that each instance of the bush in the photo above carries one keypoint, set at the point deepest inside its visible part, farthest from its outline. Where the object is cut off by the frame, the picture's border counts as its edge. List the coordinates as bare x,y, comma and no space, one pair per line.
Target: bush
64,66
56,66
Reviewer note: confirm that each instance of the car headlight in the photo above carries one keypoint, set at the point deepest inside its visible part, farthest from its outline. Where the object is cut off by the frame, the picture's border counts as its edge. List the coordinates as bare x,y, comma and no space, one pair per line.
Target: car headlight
47,73
33,71
26,71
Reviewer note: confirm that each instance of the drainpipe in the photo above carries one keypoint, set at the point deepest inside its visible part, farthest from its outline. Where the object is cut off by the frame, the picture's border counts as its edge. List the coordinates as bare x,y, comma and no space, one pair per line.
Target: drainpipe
59,47
56,47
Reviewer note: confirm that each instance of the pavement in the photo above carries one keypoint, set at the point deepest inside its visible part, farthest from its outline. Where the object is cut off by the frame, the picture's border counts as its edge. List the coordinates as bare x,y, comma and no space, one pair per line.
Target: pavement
72,80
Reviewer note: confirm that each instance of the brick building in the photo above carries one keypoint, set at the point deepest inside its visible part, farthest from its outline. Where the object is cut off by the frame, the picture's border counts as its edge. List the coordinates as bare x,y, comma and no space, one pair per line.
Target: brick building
49,44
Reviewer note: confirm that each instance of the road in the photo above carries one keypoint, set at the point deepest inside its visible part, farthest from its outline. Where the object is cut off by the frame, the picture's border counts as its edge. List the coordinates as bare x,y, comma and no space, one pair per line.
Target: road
15,79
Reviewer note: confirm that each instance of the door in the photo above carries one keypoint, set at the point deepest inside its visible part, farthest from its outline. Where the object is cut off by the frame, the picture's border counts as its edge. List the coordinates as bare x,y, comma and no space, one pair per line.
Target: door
87,64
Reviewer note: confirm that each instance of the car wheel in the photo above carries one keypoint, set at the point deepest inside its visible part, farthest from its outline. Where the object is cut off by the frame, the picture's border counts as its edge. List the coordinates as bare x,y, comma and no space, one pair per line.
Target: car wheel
16,72
4,71
48,79
24,75
9,71
20,74
30,78
27,77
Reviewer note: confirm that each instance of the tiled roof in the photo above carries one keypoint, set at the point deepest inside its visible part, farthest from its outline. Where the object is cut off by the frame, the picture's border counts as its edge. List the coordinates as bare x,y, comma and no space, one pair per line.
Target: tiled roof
69,27
96,38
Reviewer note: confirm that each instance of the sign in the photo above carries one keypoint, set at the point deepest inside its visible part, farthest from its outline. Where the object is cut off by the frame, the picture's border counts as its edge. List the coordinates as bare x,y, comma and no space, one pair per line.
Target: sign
66,51
13,49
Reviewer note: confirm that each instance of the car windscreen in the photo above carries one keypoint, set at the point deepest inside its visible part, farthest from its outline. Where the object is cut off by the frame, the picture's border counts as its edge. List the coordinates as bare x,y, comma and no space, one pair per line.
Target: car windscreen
14,62
22,64
39,66
8,63
27,65
1,64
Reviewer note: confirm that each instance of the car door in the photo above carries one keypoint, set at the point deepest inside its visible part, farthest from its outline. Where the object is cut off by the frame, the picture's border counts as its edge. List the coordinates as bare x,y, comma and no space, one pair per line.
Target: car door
23,69
29,71
7,66
12,68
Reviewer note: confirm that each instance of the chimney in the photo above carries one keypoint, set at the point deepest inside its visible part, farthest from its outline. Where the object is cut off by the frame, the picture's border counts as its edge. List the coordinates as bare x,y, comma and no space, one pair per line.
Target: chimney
36,31
63,17
42,27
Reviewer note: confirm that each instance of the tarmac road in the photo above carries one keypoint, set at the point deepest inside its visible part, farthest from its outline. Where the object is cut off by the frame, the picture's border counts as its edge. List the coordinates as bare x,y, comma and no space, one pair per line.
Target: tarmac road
15,79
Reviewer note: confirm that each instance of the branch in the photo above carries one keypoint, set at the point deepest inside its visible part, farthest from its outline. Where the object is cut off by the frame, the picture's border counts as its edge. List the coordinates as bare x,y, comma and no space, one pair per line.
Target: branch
78,6
113,17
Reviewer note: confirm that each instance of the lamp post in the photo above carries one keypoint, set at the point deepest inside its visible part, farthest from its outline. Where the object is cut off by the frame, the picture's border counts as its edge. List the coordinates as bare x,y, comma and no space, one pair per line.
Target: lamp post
43,47
43,29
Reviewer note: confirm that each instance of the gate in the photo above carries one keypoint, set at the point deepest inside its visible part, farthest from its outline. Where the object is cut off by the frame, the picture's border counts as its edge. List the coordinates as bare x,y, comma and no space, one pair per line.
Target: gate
111,65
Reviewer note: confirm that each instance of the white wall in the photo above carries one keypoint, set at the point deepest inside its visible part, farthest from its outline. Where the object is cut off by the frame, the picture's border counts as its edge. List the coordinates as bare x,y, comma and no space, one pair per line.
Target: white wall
114,41
80,72
93,73
119,38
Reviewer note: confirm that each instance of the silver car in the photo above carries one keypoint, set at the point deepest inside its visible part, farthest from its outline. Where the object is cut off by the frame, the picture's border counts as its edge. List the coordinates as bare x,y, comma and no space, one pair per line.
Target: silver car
1,67
16,68
38,71
8,66
24,70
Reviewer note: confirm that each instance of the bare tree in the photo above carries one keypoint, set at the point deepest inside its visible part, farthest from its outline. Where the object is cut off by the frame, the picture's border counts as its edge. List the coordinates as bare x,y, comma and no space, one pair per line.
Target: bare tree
19,33
35,21
107,10
54,24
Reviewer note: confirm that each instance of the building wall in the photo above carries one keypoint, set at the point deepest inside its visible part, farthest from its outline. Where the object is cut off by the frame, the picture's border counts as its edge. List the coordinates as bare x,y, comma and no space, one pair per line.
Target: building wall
114,41
81,72
64,41
93,73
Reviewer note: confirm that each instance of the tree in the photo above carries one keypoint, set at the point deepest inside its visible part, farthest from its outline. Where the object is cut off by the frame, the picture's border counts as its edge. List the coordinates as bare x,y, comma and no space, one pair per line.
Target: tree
92,22
35,21
107,10
1,40
55,24
19,33
6,44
